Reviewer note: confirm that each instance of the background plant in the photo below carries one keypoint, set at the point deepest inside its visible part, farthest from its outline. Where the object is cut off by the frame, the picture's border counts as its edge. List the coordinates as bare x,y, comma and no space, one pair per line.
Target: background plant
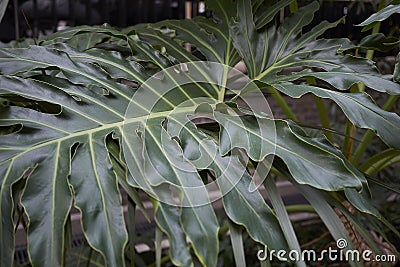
63,114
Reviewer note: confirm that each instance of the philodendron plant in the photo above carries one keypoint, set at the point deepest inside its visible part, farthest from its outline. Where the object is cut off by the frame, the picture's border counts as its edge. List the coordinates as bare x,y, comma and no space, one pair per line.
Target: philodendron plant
94,113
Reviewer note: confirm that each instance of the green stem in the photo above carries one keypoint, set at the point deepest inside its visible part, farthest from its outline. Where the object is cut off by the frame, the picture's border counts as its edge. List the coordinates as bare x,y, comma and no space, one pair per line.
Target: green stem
223,230
266,262
89,258
275,93
283,217
158,247
221,95
348,140
376,28
300,208
323,114
283,104
350,128
131,229
366,140
163,260
369,135
380,161
293,7
237,244
68,238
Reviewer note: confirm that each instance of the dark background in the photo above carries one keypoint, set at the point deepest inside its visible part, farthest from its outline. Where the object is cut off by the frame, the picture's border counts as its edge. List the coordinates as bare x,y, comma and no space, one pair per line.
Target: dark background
30,18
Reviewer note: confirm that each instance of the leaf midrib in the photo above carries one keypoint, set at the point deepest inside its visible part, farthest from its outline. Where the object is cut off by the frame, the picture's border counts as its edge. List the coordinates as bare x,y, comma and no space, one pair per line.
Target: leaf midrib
91,77
102,128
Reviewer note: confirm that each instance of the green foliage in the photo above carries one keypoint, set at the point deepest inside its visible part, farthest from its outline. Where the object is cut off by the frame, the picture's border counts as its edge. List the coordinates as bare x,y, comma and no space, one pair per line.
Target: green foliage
3,7
381,15
86,120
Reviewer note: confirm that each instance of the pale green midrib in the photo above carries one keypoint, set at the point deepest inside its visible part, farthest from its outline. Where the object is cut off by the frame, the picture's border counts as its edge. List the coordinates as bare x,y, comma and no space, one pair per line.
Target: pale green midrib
209,25
55,128
167,43
217,163
87,238
158,207
99,185
214,53
265,51
37,122
102,128
74,93
188,60
90,39
117,66
63,237
201,42
94,100
221,94
167,73
287,65
222,8
365,107
300,75
292,152
331,94
309,38
288,35
276,64
246,19
73,71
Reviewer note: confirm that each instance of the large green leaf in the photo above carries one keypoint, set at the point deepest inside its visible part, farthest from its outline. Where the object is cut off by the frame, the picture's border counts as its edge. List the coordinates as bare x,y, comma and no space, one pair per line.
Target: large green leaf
302,155
234,184
86,85
3,7
167,216
275,48
98,198
91,126
358,107
95,188
381,15
343,80
321,59
10,173
379,42
265,13
254,47
165,165
396,75
48,185
262,49
209,36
